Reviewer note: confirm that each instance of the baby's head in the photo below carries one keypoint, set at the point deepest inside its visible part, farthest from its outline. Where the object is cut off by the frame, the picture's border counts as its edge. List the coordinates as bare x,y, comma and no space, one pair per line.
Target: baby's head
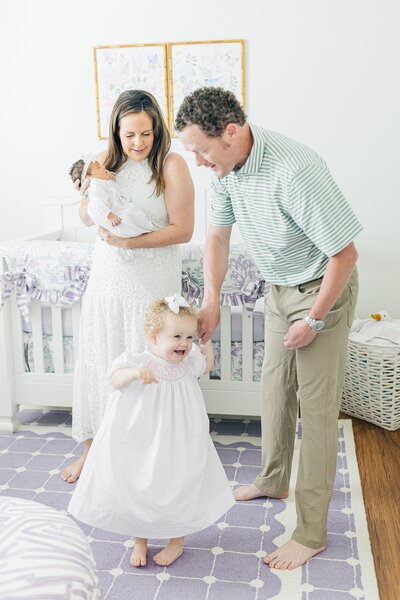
92,168
76,170
171,324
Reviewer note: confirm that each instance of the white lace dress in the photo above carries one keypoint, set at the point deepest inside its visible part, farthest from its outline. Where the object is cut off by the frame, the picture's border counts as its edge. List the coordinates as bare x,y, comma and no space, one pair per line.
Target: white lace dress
119,291
152,470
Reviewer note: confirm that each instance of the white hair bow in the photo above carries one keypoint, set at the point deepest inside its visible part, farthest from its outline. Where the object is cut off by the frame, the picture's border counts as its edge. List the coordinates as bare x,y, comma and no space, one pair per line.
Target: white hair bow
175,302
87,159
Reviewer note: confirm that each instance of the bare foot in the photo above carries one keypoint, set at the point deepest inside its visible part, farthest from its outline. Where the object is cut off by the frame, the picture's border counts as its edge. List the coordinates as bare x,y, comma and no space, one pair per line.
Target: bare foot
250,492
291,555
169,554
138,556
72,472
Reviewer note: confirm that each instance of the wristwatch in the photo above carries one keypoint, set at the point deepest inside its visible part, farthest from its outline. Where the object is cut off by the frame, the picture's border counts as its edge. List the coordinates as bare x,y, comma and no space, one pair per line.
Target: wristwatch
315,324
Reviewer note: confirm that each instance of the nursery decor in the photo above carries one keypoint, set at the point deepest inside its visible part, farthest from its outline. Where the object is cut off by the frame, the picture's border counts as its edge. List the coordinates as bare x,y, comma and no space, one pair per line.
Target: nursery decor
169,71
192,65
120,68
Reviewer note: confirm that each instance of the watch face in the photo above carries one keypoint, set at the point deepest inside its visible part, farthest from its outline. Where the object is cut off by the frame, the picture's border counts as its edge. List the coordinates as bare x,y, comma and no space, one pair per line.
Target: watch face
318,325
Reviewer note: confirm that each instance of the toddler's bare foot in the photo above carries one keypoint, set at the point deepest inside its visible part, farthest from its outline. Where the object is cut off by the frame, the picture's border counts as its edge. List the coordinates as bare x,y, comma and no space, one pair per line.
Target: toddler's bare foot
250,492
138,556
72,472
291,555
169,554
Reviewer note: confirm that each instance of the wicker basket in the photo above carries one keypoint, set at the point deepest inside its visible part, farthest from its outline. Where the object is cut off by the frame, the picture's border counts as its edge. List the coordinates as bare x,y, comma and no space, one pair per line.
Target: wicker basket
372,384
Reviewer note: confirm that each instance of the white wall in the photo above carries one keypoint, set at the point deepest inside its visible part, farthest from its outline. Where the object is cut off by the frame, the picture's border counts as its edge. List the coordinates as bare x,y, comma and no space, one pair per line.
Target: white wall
323,72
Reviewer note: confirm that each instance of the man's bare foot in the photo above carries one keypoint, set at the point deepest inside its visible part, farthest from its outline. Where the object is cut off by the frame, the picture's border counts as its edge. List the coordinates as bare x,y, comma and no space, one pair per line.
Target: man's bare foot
138,556
72,472
291,555
250,492
169,554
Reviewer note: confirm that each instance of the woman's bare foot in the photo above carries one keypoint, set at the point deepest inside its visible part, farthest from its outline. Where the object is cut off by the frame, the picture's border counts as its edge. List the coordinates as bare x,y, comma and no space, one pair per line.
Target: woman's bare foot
169,554
138,556
72,472
250,492
291,555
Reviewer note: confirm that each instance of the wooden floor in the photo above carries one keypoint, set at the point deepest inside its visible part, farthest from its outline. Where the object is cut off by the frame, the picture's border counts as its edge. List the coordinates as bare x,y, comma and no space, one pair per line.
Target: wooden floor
378,454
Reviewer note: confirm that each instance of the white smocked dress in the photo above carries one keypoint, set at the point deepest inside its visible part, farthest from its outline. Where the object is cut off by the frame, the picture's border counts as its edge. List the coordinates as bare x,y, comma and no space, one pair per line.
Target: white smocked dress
152,470
117,296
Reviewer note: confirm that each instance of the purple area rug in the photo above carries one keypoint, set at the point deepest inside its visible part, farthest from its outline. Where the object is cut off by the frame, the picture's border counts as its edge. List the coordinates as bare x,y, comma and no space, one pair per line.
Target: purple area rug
223,562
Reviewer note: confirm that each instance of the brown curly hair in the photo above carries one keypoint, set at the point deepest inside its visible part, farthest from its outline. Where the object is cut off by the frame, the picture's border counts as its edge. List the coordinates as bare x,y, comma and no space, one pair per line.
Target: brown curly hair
211,108
155,315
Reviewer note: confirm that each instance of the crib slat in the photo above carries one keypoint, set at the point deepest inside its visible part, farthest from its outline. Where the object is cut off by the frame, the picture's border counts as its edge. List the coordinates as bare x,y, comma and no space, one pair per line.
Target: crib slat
247,345
37,336
58,349
76,315
226,342
18,336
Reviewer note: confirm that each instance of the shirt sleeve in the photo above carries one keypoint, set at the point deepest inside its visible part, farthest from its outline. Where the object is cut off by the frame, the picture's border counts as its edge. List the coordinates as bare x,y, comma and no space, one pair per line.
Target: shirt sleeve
319,208
197,361
221,211
125,361
101,196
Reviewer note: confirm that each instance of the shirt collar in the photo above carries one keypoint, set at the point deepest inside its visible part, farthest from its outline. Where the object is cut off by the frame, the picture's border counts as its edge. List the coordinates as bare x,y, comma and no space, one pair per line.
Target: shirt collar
254,160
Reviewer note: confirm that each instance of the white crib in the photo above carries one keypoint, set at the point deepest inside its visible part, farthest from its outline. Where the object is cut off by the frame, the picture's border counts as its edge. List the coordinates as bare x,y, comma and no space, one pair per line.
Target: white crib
223,396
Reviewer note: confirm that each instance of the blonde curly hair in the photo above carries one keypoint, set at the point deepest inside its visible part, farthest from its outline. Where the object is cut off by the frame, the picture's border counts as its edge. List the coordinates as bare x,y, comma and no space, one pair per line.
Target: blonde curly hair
155,316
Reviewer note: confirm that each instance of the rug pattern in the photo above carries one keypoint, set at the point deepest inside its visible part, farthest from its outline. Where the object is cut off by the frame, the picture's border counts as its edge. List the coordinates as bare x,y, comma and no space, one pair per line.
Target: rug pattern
222,562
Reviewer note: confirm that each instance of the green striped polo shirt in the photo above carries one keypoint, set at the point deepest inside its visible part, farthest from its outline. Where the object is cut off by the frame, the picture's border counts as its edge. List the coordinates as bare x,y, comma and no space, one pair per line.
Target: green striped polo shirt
290,212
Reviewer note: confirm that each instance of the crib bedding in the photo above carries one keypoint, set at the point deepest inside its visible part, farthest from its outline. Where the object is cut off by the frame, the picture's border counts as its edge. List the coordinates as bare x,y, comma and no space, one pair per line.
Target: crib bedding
68,347
56,273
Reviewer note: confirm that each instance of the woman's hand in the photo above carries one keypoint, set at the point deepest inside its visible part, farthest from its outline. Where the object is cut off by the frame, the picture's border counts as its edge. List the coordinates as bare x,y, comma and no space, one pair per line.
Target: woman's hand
112,239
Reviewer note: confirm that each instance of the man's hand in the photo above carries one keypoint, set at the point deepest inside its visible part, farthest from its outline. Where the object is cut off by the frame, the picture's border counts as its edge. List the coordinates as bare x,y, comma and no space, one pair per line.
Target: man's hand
209,318
298,336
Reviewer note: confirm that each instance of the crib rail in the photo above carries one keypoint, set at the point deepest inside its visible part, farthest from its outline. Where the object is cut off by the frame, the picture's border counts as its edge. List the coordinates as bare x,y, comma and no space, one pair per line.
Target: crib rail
33,386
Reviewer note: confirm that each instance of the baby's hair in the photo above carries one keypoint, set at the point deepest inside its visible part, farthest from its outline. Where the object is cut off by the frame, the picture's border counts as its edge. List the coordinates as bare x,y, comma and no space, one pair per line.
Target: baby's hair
76,170
155,315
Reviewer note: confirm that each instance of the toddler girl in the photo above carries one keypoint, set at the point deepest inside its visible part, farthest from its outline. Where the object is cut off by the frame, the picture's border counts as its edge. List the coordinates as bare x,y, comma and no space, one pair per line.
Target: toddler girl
152,470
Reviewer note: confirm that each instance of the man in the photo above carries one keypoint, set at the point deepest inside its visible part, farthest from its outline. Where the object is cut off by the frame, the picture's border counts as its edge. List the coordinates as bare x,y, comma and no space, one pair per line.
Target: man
299,229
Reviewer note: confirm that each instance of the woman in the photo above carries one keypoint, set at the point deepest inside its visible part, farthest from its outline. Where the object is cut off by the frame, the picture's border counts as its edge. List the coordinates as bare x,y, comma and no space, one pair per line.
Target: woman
120,289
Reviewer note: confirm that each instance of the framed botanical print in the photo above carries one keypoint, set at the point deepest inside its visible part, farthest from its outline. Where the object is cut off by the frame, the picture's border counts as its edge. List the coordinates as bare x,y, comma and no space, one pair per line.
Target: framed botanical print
192,65
120,68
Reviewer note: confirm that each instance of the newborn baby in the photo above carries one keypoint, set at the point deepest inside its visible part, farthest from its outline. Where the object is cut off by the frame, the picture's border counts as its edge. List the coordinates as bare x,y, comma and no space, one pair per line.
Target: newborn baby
107,206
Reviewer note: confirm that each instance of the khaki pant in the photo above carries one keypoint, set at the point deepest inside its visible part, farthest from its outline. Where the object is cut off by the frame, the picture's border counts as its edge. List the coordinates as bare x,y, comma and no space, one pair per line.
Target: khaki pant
313,374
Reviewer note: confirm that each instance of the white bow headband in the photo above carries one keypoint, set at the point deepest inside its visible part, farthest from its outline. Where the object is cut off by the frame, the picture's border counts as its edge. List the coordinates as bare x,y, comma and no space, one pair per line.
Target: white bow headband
87,159
175,302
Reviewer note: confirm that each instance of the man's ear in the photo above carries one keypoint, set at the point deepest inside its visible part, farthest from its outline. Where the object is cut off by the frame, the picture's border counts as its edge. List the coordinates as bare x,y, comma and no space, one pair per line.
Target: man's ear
231,130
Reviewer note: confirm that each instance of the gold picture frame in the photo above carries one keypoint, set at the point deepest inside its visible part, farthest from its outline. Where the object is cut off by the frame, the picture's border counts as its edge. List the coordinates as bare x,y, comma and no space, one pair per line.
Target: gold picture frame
125,67
192,65
170,71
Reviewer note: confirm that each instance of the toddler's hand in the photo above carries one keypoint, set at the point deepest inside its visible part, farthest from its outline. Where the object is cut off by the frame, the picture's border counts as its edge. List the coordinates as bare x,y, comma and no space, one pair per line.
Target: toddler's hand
146,376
